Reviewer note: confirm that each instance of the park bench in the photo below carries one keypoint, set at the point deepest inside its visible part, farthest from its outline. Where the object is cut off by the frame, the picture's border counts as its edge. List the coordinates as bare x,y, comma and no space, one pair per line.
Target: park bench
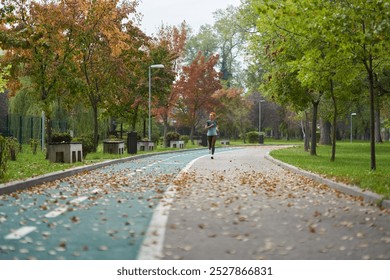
114,147
176,144
145,145
65,152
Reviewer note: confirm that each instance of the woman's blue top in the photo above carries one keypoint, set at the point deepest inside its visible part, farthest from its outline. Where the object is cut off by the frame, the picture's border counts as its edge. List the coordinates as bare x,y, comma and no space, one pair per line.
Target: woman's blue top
212,131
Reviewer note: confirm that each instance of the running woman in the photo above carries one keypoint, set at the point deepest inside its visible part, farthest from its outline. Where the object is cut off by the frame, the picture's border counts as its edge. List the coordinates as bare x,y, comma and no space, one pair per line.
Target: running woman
212,132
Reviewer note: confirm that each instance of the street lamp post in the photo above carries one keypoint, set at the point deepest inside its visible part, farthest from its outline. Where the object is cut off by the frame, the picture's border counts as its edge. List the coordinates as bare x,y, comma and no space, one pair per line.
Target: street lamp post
150,96
261,137
260,101
352,114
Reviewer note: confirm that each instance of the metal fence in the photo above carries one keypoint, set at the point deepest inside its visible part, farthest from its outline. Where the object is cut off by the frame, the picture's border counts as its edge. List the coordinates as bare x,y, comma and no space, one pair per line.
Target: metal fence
25,128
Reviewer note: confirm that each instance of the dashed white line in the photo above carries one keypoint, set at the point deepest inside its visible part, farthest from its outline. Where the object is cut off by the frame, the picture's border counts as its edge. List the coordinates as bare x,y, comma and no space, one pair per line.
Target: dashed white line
79,199
56,212
60,210
152,245
21,232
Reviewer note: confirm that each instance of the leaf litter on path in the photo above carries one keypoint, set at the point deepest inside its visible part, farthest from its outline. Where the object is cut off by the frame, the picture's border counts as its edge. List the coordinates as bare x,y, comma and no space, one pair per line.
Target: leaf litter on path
283,215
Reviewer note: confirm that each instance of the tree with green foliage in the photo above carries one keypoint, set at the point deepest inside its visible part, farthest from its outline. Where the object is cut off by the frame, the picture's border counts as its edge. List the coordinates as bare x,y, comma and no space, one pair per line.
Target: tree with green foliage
205,41
230,40
362,28
321,43
280,48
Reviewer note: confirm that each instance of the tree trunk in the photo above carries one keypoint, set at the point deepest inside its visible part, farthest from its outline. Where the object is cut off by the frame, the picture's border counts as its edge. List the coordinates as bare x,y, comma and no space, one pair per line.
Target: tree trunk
133,121
380,92
313,148
192,134
95,128
307,132
370,72
334,124
165,131
378,136
325,127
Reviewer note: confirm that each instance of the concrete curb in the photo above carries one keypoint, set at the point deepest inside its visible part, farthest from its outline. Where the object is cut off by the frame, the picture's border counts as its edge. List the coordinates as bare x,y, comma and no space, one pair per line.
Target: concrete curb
31,182
367,196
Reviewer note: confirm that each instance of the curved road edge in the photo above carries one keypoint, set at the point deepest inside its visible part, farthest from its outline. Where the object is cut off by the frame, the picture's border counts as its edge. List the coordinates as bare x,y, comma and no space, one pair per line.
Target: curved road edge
367,196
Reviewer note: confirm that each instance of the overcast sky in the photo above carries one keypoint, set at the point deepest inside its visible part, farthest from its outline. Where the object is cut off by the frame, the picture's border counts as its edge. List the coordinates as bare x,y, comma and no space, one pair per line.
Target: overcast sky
174,12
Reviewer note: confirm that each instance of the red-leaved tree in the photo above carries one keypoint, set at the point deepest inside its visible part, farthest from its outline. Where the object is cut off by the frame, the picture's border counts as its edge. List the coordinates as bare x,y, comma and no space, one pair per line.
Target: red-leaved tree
195,89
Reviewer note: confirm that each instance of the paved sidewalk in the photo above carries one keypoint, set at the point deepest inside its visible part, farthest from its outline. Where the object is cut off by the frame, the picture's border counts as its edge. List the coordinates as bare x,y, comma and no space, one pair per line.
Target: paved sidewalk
242,206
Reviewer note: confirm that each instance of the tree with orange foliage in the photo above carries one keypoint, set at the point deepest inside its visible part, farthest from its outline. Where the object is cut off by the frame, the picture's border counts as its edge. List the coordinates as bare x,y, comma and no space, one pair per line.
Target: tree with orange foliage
233,111
37,44
100,42
195,88
66,47
128,100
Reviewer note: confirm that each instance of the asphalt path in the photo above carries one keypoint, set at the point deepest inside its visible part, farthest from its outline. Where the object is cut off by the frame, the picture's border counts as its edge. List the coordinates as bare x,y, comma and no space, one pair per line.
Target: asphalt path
95,215
241,206
188,206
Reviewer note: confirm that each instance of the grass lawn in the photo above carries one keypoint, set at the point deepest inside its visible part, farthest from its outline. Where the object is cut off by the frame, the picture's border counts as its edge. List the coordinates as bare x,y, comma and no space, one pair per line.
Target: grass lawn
352,164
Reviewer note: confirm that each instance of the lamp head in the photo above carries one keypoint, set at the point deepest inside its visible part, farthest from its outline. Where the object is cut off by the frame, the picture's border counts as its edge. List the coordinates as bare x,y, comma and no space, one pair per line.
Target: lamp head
157,66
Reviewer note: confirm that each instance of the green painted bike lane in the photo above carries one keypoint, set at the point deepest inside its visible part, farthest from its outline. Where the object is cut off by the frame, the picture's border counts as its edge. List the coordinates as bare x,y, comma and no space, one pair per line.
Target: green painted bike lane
95,215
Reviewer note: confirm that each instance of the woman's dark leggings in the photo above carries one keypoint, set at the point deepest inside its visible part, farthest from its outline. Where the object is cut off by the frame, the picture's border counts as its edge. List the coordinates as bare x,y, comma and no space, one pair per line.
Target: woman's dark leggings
212,140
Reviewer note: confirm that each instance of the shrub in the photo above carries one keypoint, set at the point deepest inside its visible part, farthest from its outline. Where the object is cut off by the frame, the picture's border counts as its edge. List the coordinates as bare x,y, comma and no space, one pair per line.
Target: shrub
87,142
172,136
13,146
34,145
61,138
155,138
185,138
4,155
252,136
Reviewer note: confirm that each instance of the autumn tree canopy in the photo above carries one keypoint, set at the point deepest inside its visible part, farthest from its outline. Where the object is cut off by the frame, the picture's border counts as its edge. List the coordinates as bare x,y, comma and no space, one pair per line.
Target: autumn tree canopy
195,88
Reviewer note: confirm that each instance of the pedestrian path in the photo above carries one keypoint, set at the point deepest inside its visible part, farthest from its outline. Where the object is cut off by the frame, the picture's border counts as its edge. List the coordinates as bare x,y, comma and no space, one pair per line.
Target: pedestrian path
242,206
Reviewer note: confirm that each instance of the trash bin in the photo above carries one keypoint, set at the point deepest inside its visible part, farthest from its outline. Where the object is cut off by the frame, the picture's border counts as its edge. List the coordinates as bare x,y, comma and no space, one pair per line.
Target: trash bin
261,139
204,140
132,142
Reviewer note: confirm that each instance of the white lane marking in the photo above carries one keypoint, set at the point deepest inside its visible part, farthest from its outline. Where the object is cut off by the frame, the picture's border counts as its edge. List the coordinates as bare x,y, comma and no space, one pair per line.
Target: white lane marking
56,212
79,199
60,210
19,233
152,245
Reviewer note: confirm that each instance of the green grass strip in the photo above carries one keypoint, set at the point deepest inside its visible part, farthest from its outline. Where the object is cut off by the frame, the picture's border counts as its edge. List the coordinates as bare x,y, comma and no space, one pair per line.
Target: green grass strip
352,164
